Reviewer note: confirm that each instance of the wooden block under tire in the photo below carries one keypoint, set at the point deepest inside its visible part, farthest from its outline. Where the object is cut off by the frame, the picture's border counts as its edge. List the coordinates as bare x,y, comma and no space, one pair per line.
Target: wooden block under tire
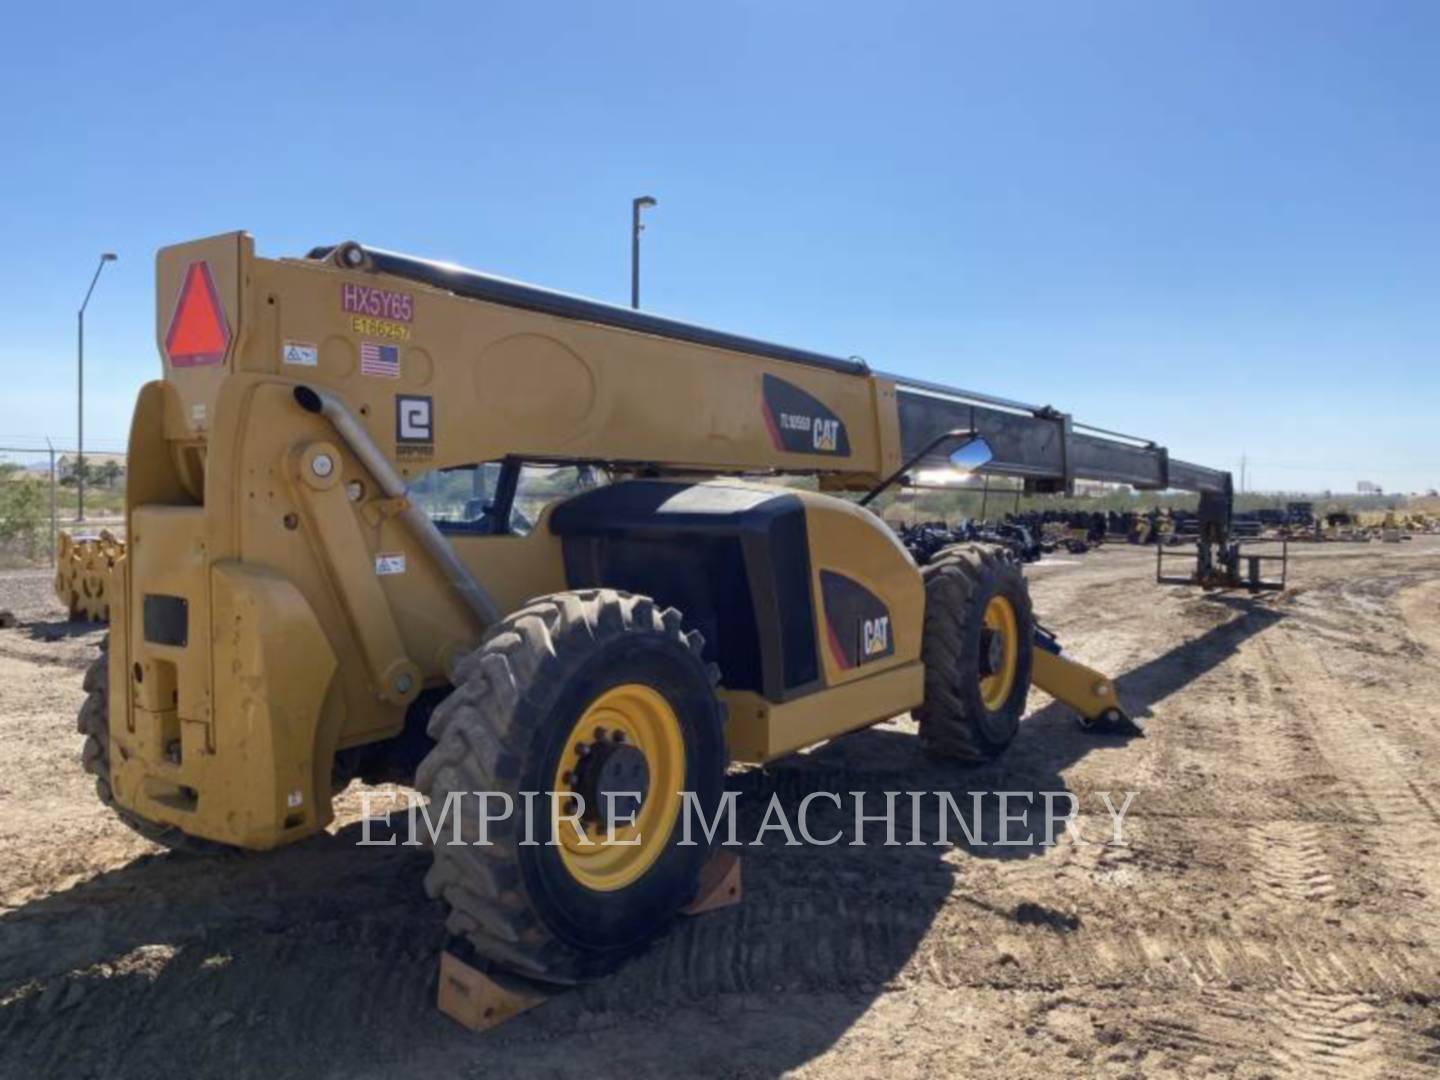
719,884
482,1000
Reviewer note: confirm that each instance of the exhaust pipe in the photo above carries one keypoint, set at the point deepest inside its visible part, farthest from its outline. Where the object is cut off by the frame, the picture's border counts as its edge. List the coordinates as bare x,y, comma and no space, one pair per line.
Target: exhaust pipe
353,434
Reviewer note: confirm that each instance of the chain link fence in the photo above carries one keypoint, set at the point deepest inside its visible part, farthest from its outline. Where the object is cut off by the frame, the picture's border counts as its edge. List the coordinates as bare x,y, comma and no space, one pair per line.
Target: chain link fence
40,493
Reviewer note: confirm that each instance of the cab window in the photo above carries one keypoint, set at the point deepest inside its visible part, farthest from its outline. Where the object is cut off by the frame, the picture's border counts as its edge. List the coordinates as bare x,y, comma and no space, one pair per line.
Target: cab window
460,499
539,485
498,498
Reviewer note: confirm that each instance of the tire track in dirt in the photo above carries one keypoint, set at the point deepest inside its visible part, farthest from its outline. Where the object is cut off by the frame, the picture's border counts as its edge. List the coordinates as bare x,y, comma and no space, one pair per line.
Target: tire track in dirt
1336,1030
1417,611
1219,1024
1289,857
1292,812
1327,1034
1406,822
1292,864
772,946
1198,949
1324,982
1382,657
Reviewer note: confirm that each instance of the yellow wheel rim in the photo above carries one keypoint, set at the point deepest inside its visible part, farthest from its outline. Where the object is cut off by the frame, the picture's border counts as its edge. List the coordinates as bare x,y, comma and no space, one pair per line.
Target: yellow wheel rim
643,719
1000,620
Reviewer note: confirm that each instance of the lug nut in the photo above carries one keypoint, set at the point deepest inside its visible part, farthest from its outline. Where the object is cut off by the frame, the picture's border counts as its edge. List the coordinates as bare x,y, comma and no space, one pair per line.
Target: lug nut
599,734
323,465
582,750
619,736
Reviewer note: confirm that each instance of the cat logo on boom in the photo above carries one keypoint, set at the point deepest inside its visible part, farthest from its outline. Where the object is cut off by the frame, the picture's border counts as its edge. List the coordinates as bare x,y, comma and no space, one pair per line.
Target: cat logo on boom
800,423
825,434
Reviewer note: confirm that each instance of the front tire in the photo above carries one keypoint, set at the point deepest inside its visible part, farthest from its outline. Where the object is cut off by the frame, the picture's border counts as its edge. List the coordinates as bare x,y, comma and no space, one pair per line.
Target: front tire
569,671
977,649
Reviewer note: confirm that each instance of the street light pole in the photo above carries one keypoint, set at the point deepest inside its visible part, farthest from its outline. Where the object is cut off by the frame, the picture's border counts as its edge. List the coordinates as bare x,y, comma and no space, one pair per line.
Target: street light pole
636,205
108,256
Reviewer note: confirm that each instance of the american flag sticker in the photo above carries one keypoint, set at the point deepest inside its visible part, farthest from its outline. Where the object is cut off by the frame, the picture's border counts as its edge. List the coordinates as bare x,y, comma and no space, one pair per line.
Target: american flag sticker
381,360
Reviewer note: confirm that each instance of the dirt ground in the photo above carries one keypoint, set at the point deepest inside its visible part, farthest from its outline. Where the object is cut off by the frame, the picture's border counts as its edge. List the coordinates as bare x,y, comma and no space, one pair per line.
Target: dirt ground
1275,912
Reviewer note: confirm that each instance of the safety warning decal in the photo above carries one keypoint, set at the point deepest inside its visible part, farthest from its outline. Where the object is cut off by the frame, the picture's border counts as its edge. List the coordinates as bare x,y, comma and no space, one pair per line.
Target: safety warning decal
300,353
199,333
390,564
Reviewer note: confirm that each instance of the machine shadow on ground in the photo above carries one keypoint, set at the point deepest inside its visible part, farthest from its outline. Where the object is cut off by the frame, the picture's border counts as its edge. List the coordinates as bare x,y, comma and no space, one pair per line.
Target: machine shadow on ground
59,629
322,958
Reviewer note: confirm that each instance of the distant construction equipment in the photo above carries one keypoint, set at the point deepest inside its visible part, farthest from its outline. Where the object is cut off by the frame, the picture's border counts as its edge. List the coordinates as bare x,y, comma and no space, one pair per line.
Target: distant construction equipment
84,573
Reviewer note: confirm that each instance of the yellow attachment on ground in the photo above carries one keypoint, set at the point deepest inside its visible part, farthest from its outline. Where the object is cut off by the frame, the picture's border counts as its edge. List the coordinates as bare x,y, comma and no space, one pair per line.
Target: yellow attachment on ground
637,716
84,574
1084,689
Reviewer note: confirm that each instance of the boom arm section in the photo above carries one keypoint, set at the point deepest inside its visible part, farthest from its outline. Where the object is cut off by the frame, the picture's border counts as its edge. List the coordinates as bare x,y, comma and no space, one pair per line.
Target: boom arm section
1049,451
1037,444
1042,446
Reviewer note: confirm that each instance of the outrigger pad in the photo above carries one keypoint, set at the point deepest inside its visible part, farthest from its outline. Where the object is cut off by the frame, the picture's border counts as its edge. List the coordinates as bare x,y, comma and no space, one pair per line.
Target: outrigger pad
1114,722
1090,694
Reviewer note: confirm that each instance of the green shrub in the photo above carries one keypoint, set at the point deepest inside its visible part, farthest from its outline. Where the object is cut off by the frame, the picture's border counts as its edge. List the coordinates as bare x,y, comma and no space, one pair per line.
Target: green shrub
22,512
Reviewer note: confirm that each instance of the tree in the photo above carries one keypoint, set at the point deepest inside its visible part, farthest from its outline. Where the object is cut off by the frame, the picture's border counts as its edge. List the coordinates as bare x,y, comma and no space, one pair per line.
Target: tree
70,473
108,474
22,510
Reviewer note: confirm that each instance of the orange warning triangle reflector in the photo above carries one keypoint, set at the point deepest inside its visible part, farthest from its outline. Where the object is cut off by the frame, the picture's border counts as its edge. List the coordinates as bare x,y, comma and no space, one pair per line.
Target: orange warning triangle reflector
198,331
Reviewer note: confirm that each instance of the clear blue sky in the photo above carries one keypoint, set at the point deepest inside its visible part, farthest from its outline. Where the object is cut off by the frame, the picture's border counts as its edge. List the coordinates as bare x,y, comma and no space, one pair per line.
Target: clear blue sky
1216,224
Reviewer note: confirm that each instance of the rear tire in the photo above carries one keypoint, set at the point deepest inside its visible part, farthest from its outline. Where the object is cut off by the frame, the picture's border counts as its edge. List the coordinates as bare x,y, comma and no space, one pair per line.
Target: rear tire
975,685
522,704
94,723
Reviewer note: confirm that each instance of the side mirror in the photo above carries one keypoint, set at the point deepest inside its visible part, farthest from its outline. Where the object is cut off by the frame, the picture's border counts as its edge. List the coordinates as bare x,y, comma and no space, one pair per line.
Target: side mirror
971,452
973,455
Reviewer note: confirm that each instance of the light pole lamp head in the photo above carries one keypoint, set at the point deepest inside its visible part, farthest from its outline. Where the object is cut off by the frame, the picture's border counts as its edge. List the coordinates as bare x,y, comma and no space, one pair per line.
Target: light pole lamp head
644,202
109,256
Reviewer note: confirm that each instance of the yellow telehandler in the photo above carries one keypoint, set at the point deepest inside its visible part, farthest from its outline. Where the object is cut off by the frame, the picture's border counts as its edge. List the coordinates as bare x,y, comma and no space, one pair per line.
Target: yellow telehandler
394,519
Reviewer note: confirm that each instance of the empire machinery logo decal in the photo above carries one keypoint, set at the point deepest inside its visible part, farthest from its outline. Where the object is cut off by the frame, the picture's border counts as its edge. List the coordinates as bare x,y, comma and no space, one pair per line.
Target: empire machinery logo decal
800,423
414,425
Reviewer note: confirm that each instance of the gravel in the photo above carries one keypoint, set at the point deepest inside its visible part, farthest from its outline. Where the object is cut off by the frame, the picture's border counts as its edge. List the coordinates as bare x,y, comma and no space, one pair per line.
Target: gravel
30,594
